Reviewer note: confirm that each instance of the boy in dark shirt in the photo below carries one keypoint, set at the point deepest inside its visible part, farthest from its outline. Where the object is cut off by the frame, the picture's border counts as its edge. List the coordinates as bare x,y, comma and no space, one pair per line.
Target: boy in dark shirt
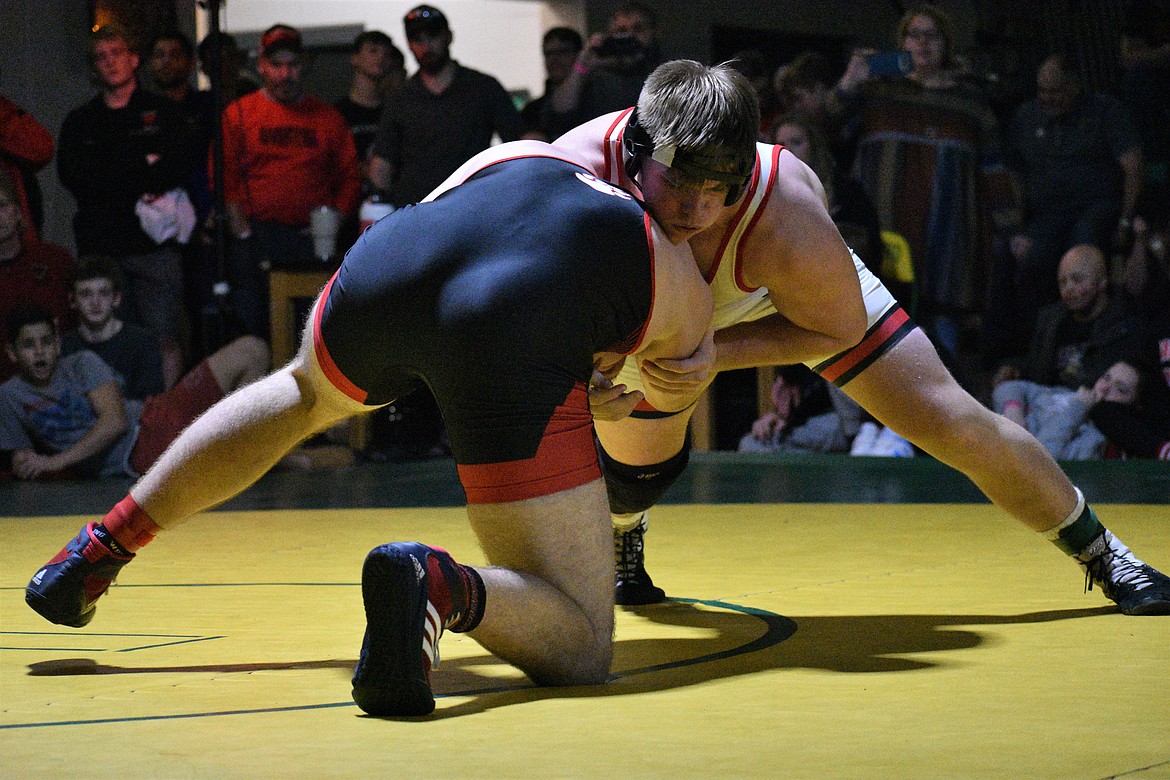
129,349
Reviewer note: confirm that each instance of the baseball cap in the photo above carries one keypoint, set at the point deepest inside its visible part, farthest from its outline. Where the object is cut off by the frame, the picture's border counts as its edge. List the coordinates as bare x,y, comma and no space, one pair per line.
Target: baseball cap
280,37
424,20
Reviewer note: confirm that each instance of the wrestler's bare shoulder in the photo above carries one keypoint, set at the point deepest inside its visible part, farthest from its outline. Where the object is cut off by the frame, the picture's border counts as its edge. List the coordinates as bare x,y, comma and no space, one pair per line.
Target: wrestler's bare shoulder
794,228
588,140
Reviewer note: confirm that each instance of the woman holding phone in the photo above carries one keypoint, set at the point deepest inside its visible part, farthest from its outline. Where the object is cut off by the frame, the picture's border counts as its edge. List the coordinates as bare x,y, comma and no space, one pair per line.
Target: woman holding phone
928,153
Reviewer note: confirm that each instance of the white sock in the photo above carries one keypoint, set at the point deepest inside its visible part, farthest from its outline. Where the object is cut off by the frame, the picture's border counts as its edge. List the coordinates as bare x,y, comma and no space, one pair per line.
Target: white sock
624,523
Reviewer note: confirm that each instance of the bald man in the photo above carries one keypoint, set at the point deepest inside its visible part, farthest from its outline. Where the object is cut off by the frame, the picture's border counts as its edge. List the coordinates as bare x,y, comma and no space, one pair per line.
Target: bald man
1078,158
1078,338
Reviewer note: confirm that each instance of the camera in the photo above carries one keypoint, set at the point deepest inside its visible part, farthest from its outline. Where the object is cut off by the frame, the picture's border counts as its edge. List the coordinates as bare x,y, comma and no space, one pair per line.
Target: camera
618,46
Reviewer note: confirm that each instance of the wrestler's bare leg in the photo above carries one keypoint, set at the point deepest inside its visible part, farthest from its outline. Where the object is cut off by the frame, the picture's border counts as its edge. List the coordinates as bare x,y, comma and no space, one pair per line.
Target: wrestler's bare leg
643,441
240,438
638,441
911,391
549,605
224,451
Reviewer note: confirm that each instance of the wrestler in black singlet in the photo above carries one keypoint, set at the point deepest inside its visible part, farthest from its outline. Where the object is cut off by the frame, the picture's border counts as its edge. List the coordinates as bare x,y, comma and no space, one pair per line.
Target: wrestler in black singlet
497,295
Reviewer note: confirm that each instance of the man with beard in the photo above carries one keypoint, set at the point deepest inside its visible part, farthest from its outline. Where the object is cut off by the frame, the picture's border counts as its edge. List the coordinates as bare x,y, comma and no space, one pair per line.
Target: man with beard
170,65
443,115
285,153
438,119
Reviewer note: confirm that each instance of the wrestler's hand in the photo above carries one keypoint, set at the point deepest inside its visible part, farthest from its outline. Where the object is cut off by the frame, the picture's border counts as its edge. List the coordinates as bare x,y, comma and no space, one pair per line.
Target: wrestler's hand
610,402
682,376
608,364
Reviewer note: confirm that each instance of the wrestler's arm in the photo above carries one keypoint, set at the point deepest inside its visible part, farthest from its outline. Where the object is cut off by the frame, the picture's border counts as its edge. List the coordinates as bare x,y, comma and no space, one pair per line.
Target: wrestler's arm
796,252
677,354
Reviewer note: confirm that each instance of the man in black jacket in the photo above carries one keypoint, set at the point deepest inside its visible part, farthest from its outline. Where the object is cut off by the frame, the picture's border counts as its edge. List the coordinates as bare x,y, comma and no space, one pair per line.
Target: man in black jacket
119,152
1077,339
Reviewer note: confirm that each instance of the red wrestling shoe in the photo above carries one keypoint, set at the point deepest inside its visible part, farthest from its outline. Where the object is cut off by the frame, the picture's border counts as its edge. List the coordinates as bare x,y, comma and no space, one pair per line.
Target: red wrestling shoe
65,589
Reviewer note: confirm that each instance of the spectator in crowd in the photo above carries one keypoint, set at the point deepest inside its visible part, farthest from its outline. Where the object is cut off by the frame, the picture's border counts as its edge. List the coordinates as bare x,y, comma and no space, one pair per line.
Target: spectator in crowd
31,271
1144,60
1079,159
441,116
1078,338
26,146
65,415
1059,417
1139,429
560,47
805,86
755,67
928,151
378,68
609,72
235,80
128,349
1145,276
850,207
124,152
1144,431
808,415
285,153
171,66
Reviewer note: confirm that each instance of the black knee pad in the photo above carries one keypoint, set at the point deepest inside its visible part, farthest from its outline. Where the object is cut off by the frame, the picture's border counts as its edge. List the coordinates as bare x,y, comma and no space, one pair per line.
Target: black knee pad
637,488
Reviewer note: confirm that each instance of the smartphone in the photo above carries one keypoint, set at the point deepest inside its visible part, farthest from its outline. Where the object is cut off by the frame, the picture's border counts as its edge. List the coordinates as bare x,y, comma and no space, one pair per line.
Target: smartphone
889,63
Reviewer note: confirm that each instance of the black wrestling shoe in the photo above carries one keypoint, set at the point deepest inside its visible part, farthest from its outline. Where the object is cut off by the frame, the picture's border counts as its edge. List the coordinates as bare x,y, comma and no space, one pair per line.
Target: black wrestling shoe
65,589
632,585
405,614
1137,587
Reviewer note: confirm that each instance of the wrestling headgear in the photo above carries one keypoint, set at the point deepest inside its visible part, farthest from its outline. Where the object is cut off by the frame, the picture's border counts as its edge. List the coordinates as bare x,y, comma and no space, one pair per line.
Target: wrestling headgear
707,167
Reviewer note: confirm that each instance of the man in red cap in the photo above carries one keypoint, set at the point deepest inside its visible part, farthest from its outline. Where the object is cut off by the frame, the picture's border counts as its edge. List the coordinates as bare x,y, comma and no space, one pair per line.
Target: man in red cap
285,153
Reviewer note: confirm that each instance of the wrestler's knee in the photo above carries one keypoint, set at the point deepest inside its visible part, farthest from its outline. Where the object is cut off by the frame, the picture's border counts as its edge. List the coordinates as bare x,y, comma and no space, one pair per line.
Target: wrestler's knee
634,489
587,666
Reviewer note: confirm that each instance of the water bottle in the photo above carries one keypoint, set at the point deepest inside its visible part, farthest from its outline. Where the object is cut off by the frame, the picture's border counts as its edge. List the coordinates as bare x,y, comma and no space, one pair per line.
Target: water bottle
373,209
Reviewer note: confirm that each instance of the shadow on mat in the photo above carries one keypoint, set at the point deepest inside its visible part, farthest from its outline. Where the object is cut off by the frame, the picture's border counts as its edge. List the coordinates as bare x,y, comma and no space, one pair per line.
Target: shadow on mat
854,644
738,641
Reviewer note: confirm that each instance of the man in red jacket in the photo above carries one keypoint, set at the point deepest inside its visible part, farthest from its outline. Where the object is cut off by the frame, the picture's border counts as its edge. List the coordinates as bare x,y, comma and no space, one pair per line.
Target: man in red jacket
285,153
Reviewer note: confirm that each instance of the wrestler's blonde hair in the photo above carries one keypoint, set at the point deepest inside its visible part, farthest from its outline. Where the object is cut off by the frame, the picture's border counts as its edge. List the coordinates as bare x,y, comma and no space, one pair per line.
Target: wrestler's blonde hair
699,108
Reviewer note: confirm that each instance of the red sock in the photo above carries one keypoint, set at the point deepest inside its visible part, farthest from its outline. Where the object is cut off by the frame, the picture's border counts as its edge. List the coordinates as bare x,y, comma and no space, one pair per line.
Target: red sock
130,525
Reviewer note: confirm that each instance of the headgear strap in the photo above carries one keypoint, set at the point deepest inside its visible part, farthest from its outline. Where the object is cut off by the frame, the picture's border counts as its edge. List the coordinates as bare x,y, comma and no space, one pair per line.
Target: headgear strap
706,167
